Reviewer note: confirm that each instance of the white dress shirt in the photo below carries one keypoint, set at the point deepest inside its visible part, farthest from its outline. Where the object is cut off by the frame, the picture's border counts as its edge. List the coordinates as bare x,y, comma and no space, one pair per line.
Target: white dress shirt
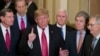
46,33
19,20
3,28
63,30
78,36
40,34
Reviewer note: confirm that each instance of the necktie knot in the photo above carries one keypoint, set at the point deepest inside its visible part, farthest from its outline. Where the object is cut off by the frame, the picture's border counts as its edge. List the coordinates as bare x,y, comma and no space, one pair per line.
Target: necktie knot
22,24
6,30
7,39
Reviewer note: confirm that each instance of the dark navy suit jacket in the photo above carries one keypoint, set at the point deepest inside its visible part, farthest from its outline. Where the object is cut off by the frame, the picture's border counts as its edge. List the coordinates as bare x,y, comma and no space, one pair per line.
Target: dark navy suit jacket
14,41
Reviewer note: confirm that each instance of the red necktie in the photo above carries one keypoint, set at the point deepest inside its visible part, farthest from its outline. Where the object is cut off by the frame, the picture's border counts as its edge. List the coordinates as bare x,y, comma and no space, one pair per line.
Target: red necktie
44,44
7,39
22,24
79,42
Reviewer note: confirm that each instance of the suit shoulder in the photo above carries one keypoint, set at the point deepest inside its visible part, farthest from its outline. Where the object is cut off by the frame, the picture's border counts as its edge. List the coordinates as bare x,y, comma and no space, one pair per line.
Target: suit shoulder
70,28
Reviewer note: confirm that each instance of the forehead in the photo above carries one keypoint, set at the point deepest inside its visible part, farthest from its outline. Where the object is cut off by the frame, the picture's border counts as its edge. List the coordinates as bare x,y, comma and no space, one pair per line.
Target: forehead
20,3
61,13
92,20
8,13
80,18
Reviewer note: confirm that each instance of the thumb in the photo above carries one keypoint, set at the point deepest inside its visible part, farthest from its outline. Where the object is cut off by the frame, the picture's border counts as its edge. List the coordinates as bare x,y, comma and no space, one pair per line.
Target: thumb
32,30
60,49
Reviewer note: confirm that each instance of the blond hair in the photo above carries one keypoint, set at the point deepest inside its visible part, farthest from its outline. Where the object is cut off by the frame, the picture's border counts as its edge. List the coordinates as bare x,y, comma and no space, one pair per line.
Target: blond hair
40,12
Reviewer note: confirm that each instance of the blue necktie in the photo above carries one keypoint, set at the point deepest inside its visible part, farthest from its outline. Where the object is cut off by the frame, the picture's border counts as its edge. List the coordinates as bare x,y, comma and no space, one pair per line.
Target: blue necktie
62,32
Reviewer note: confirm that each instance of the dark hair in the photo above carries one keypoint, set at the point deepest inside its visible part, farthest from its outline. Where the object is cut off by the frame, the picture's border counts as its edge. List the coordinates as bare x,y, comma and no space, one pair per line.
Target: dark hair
85,15
3,11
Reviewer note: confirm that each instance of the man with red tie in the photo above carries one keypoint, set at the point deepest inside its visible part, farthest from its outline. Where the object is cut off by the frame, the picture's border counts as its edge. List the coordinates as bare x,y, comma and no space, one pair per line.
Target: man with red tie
8,34
22,20
42,39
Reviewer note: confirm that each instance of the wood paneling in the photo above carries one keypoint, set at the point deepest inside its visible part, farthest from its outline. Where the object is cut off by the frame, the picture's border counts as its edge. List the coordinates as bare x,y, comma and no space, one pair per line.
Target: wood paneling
94,7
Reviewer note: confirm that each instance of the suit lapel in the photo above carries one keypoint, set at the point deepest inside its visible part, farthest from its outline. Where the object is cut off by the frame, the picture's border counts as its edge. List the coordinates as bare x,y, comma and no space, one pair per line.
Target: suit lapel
97,45
16,22
36,43
2,41
75,40
50,39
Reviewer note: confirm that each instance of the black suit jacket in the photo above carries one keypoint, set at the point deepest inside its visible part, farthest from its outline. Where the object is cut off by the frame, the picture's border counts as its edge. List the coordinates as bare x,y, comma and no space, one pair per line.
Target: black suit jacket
30,11
14,41
55,42
68,30
87,47
71,44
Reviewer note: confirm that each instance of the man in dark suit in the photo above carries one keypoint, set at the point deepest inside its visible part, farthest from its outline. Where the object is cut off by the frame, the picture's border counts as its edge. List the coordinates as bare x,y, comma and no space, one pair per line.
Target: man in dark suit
75,40
41,39
92,42
61,19
8,34
21,18
31,8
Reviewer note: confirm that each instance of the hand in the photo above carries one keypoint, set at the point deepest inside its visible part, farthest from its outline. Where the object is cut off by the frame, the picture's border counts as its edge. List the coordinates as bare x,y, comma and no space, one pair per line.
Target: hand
63,52
31,36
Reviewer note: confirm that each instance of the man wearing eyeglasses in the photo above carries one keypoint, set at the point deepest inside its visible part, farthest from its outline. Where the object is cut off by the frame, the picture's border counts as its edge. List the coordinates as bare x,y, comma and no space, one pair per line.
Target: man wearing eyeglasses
92,43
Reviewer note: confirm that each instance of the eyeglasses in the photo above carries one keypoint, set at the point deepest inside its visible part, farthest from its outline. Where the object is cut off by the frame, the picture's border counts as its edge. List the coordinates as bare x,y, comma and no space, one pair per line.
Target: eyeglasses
91,25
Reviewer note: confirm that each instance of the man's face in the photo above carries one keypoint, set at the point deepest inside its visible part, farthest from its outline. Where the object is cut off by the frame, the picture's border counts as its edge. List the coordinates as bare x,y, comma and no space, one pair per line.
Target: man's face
8,19
80,23
42,20
93,27
61,17
21,7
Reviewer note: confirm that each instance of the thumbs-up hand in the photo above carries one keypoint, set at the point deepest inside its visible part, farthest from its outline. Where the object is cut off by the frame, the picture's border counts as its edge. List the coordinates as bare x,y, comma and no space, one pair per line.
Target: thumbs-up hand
63,52
31,36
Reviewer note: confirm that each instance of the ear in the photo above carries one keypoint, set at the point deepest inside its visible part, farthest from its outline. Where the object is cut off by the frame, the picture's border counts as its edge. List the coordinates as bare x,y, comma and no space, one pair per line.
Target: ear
1,18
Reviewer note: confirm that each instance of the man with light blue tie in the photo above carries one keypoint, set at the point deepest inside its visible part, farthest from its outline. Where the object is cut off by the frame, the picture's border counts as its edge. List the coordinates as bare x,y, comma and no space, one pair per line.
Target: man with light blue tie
61,20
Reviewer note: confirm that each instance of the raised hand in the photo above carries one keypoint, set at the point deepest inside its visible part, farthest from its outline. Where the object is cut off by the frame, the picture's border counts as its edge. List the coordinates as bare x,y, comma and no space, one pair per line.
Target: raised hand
31,36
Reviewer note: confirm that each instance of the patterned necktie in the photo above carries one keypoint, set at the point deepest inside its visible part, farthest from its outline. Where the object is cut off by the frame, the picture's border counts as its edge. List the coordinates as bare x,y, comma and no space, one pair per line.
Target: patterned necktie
79,42
7,39
44,44
22,24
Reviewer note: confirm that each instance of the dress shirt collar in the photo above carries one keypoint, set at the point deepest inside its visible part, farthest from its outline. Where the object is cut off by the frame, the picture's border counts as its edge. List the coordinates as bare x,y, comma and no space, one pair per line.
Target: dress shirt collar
46,28
61,26
4,28
98,36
